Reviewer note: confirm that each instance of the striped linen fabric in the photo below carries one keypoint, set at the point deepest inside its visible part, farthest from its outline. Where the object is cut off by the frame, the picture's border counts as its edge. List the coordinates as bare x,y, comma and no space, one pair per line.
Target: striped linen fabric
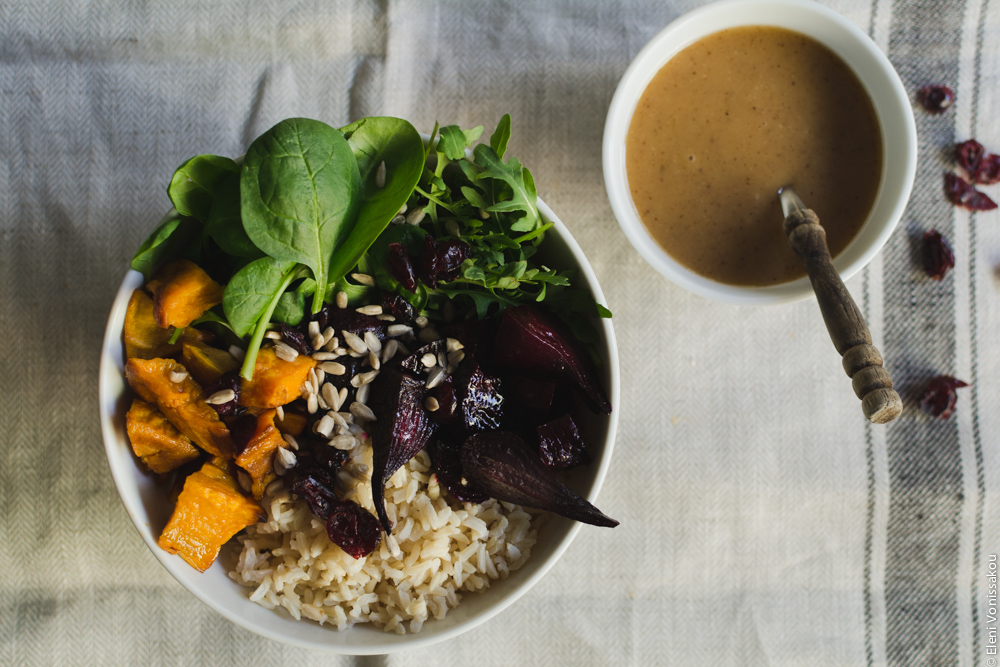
763,521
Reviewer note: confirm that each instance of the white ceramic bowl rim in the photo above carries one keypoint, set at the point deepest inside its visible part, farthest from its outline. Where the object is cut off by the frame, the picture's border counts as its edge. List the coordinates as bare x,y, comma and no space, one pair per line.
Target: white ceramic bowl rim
873,69
139,494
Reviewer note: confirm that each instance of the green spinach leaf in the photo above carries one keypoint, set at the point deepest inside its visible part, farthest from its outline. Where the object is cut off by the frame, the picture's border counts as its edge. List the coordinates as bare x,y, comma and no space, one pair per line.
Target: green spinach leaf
251,290
195,183
166,241
300,189
225,224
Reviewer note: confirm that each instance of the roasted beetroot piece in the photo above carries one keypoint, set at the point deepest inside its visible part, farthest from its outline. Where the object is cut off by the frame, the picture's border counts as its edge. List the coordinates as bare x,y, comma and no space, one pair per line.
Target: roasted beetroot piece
398,307
242,430
936,99
940,397
447,458
353,528
349,319
230,380
560,444
315,486
938,257
535,396
415,364
531,342
402,428
961,193
502,465
477,337
447,403
401,266
480,403
295,339
352,366
988,171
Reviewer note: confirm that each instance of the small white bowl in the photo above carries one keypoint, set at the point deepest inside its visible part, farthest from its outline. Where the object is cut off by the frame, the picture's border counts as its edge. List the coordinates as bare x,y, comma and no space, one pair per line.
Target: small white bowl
145,501
892,105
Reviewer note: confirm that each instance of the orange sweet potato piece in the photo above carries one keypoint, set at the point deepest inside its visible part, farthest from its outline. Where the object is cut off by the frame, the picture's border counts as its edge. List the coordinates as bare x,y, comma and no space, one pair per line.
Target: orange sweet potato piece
293,423
209,511
181,402
155,440
206,363
143,337
258,456
275,381
182,292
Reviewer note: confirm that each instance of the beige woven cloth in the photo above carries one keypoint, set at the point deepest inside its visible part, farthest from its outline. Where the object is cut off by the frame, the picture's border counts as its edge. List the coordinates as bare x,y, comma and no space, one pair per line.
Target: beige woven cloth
763,521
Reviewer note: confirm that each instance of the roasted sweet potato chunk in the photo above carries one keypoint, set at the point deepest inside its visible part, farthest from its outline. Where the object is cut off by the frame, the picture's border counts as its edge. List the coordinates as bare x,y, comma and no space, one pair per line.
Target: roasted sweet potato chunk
206,363
209,511
257,458
293,423
275,381
181,401
143,337
155,440
182,292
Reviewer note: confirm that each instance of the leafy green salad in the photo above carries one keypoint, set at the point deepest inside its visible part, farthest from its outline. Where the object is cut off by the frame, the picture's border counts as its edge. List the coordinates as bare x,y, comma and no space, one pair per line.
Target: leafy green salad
310,206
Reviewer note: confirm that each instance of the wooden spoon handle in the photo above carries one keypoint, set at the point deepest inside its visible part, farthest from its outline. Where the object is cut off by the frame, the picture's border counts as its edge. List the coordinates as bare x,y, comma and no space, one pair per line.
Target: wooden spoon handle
847,327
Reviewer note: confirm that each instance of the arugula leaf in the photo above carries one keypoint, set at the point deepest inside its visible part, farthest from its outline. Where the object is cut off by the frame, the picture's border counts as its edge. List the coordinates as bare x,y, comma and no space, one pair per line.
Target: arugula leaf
300,189
500,137
164,243
521,194
195,183
452,142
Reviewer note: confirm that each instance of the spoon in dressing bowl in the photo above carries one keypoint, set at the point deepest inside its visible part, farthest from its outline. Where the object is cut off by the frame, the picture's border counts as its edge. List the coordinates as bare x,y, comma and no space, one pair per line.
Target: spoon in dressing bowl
862,361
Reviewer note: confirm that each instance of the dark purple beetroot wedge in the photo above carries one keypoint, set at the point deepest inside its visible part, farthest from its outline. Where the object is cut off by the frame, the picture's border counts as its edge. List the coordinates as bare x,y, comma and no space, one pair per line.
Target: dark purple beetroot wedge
560,444
414,363
446,454
353,528
502,465
530,341
447,403
348,319
401,430
535,396
480,403
398,307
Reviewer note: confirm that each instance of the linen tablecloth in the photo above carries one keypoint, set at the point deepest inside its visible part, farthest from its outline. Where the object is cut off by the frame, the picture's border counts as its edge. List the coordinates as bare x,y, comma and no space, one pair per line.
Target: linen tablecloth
764,522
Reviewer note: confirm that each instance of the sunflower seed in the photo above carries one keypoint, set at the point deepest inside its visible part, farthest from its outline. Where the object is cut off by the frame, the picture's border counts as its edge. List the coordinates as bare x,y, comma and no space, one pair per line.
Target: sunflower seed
339,351
274,487
386,318
371,310
317,341
454,345
246,483
416,216
361,396
389,350
324,356
324,426
312,404
284,352
428,335
341,299
314,379
421,321
284,460
313,328
429,360
398,220
362,412
321,403
431,404
435,377
363,279
320,377
292,442
354,342
380,175
341,399
329,393
331,345
280,413
333,367
273,335
362,379
178,376
402,209
343,442
442,359
221,397
373,360
308,387
394,330
483,214
455,358
238,352
372,342
451,226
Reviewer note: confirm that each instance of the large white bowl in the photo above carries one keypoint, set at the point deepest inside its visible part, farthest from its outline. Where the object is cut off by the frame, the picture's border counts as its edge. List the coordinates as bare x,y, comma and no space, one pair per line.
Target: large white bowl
144,498
892,105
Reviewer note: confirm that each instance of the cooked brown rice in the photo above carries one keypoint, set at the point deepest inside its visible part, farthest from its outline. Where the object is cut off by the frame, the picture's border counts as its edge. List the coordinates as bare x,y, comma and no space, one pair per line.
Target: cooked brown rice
439,549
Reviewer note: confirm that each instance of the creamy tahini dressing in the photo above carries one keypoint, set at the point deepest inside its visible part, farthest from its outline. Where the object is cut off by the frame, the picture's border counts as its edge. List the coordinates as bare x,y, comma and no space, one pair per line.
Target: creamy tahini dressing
727,122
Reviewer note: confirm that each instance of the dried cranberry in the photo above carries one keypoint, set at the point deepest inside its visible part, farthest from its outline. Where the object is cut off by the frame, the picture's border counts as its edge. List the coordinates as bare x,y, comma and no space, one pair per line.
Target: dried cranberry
228,380
968,154
936,99
939,398
988,171
353,528
242,430
401,266
295,339
315,486
961,193
428,268
939,257
330,458
398,307
450,255
560,444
